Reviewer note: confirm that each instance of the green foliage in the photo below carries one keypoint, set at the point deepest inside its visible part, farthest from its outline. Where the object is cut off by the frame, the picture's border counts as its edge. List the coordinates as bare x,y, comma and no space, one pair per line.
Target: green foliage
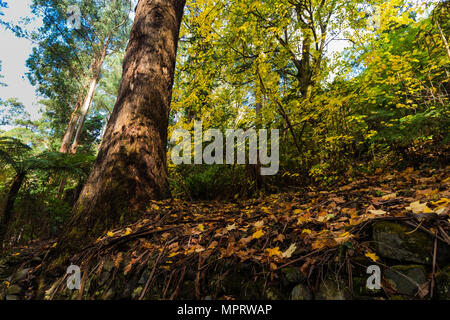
12,112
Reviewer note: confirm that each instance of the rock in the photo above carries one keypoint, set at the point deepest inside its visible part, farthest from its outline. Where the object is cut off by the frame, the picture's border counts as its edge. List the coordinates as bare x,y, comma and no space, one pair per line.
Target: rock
12,297
293,275
443,284
301,292
331,290
406,279
273,291
394,241
360,289
20,275
14,290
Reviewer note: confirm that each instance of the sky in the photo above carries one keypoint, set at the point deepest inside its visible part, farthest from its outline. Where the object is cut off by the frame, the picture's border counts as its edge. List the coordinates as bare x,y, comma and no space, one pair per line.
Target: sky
13,54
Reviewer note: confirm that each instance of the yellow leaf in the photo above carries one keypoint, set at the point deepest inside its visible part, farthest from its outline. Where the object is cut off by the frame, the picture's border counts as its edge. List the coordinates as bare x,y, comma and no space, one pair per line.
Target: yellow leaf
389,196
265,209
274,251
441,202
258,234
201,227
372,256
110,234
417,207
342,237
127,231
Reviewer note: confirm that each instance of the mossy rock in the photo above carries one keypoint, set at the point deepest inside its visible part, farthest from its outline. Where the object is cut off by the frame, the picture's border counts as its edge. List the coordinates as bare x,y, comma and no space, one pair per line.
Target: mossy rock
14,290
443,284
360,265
273,291
20,275
360,289
406,279
332,289
301,292
395,241
292,275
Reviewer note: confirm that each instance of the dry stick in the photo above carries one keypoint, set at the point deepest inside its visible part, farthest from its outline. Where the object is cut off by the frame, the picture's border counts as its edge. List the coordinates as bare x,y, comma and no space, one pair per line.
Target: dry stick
168,284
197,277
444,234
434,264
175,293
153,272
298,259
350,274
83,282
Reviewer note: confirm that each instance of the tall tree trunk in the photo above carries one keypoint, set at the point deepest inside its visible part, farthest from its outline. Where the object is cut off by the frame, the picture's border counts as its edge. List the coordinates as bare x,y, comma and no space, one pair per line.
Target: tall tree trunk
131,167
90,95
68,135
9,205
81,111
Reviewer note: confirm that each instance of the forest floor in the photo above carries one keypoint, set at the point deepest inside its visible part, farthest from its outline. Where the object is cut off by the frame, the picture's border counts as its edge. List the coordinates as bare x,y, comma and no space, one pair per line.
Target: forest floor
305,229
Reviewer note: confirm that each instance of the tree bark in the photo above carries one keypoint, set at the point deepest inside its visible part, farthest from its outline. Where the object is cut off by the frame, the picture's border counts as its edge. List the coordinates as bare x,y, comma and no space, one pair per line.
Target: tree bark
80,112
68,135
131,167
90,95
9,205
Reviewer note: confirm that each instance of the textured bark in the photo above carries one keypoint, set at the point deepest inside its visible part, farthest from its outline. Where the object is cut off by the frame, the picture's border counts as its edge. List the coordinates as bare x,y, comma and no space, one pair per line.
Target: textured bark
131,167
68,135
9,205
75,126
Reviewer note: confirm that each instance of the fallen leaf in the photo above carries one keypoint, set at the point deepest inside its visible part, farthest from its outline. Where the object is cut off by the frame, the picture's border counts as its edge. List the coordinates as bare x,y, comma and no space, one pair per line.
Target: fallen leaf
259,224
273,251
417,207
389,196
258,234
288,253
377,212
372,256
